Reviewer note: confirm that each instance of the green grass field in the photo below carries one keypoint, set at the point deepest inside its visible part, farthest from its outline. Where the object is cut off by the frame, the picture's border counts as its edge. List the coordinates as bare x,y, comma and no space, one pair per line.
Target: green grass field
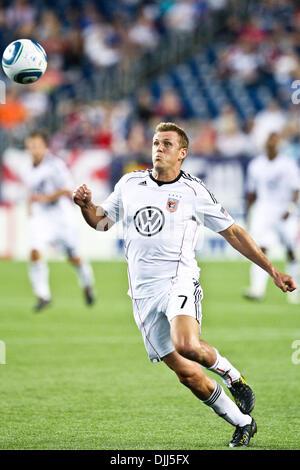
79,378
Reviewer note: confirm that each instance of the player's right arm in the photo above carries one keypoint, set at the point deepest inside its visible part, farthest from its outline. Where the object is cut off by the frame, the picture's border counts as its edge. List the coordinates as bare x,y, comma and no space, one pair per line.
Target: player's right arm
250,199
251,185
242,242
93,215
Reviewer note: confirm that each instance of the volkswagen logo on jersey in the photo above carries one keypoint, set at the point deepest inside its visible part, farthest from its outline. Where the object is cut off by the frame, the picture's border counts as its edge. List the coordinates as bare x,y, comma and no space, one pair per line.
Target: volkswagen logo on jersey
149,221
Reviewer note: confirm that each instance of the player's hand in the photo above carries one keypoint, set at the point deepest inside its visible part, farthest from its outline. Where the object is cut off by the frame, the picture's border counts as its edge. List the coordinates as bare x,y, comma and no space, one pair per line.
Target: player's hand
284,282
82,195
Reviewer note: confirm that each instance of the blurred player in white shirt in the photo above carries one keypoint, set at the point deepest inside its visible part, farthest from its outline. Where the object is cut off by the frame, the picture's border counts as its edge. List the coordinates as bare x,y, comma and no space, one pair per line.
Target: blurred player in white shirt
51,219
273,185
162,211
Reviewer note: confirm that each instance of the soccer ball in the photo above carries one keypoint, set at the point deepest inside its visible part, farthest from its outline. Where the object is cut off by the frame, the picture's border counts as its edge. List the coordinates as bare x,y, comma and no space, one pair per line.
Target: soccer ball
24,61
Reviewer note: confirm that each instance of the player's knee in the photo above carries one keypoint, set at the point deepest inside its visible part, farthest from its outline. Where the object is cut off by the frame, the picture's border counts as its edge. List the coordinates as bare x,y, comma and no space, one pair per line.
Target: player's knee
74,261
191,378
291,255
35,255
187,348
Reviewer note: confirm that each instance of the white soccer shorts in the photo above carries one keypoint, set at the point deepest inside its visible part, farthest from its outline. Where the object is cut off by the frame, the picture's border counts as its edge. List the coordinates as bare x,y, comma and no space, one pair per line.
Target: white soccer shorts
51,230
154,314
265,229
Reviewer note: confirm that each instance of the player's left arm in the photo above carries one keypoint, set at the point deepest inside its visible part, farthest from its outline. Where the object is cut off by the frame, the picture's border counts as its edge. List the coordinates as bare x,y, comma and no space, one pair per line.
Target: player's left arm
292,205
47,198
242,242
62,183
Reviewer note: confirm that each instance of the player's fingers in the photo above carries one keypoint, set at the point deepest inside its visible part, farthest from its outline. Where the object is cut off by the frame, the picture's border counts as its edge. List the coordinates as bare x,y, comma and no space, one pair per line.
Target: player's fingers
78,194
84,190
75,193
287,285
281,284
291,285
87,193
80,190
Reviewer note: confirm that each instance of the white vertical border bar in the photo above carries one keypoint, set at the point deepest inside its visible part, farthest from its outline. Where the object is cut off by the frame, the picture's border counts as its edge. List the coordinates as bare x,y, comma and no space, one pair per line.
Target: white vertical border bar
2,352
2,92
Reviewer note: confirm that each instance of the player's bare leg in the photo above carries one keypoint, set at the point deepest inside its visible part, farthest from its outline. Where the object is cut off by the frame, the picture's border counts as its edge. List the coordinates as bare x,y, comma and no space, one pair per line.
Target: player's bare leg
292,269
191,375
185,334
85,278
38,275
258,282
211,394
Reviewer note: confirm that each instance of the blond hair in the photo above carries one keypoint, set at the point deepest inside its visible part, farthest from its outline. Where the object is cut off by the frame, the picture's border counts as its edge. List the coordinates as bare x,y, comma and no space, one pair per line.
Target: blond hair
171,126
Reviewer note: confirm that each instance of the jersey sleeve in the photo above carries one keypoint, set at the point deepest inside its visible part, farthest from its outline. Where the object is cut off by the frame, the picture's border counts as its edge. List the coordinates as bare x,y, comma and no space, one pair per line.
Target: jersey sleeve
293,175
113,206
211,213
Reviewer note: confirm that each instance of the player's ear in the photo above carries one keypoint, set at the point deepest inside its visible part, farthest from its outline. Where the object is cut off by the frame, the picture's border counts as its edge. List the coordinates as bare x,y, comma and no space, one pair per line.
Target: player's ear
183,153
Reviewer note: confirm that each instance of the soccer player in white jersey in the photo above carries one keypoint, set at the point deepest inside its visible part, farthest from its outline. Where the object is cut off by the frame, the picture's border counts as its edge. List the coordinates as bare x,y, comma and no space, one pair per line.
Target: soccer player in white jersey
273,184
51,219
162,211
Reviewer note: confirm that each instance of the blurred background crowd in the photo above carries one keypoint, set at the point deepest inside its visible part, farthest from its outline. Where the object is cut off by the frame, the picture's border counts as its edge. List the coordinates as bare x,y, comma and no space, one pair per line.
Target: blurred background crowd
223,69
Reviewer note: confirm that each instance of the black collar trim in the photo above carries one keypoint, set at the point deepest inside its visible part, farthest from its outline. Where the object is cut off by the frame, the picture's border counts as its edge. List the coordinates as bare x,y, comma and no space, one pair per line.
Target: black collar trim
160,183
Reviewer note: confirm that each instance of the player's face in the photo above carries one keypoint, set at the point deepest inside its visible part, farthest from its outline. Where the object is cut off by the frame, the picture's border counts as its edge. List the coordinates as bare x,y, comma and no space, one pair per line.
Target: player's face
272,144
166,151
37,147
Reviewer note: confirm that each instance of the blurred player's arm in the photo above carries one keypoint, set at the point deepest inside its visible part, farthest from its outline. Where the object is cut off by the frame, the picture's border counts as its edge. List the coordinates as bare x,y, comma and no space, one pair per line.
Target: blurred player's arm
46,198
93,215
242,242
292,205
250,200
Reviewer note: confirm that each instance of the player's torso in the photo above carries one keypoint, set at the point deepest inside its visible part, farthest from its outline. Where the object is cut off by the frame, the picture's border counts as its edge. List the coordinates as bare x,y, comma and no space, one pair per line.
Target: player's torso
43,179
158,217
273,186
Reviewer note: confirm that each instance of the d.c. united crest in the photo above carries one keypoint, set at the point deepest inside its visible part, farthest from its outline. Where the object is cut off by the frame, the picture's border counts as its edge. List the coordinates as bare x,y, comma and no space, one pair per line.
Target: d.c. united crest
172,204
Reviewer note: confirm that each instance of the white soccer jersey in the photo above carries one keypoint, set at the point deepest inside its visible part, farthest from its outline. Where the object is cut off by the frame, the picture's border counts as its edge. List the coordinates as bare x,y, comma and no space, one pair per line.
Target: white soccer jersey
50,176
52,222
273,181
161,223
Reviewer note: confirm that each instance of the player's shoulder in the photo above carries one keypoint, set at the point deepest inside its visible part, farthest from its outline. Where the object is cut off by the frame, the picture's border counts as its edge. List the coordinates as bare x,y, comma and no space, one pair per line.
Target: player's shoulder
197,185
287,161
55,162
192,180
188,176
257,162
133,176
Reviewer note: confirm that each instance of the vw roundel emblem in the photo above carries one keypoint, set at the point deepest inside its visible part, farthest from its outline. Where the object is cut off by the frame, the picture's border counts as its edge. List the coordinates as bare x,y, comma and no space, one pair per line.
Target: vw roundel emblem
149,221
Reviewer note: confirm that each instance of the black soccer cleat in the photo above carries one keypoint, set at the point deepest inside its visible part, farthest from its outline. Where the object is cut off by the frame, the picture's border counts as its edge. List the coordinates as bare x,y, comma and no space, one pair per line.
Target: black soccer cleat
242,435
41,304
89,296
243,395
